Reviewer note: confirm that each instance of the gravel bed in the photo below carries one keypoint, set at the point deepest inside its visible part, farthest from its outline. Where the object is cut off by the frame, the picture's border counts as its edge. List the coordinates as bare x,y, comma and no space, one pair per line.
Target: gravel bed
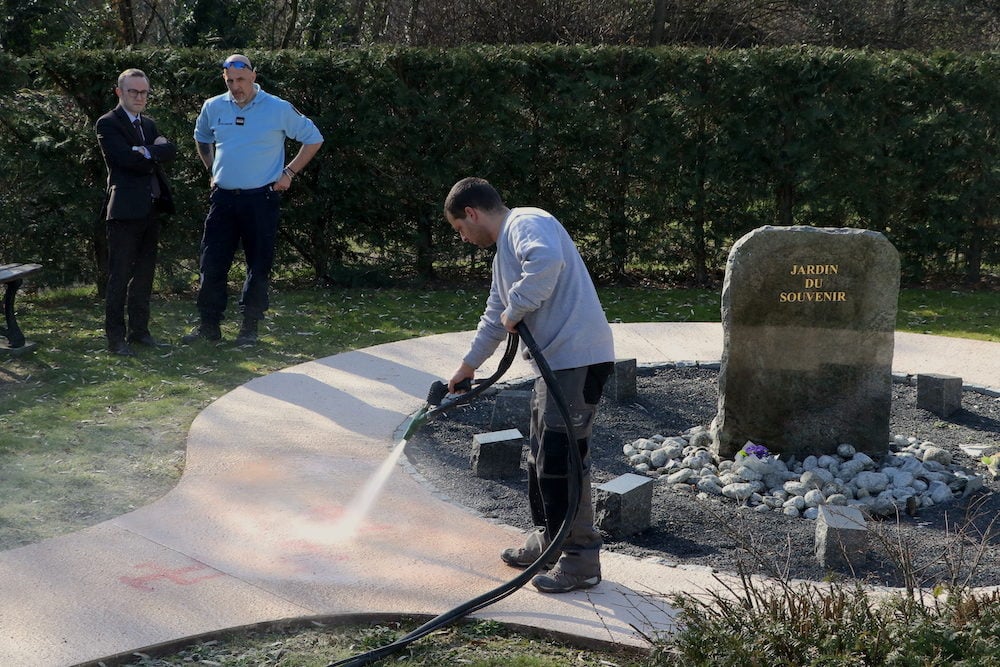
956,543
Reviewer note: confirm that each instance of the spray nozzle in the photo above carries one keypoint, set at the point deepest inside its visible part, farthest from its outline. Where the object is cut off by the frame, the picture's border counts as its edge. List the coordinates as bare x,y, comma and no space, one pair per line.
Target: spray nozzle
436,393
439,391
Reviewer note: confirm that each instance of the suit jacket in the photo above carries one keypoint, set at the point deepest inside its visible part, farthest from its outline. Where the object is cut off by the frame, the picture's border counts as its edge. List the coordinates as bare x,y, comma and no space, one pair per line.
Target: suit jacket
129,194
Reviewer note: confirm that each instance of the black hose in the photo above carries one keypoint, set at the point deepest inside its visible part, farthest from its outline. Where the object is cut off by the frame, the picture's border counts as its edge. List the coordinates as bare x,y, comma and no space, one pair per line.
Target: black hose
438,401
502,591
439,390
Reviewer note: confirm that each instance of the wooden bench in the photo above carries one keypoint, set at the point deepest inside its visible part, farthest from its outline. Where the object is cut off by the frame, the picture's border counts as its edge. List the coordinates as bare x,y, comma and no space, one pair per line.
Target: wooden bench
11,276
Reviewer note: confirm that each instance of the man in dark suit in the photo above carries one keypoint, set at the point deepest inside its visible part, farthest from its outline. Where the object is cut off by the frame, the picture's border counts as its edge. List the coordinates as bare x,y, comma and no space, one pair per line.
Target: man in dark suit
137,194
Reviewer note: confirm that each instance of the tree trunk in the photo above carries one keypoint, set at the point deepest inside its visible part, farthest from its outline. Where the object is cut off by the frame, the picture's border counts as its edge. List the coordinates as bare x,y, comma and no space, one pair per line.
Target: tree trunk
785,201
359,20
126,15
785,188
659,20
411,23
293,19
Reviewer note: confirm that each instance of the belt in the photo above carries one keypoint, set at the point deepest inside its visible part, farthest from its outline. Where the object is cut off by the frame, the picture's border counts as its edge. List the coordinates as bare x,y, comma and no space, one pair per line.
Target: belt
251,191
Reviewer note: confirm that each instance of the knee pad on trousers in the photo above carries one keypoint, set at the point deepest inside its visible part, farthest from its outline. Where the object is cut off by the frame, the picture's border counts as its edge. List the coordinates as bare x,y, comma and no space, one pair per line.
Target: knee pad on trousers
552,460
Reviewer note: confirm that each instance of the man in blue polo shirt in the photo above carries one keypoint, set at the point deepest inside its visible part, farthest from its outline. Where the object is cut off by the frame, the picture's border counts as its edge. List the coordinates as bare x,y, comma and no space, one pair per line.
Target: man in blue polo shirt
241,139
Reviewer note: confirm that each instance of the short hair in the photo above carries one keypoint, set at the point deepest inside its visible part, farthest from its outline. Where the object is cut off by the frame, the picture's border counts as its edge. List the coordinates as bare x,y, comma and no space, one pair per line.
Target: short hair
129,73
472,192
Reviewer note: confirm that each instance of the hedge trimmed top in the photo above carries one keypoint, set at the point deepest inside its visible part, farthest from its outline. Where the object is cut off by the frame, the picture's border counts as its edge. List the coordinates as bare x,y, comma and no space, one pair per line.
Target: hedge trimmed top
652,158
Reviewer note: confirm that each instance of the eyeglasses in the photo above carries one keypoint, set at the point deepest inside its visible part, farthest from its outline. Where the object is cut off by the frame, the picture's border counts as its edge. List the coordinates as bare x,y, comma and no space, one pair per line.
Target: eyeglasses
238,64
138,93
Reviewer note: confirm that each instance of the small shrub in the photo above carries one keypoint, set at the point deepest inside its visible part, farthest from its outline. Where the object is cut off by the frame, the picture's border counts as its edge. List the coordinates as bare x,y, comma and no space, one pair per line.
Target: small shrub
766,625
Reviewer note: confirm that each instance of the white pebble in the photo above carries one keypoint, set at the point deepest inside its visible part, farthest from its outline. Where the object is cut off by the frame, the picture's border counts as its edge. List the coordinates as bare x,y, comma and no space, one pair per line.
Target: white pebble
814,498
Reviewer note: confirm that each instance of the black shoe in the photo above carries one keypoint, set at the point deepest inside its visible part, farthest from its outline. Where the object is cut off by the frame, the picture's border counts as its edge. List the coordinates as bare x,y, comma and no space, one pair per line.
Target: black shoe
248,333
148,341
204,331
121,348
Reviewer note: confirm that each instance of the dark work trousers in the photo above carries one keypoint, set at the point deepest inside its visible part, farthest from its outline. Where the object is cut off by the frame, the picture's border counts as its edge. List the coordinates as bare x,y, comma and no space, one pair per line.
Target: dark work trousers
132,248
549,465
238,217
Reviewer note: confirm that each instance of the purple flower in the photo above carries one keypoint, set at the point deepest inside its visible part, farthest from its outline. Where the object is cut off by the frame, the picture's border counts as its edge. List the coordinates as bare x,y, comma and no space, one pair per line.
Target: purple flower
750,449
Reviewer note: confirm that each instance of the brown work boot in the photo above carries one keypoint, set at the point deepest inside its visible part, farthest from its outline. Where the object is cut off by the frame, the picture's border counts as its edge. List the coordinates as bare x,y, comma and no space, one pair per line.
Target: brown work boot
533,547
558,581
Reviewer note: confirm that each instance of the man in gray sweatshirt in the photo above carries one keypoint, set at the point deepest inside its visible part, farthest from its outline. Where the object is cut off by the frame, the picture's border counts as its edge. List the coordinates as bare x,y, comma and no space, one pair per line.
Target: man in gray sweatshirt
539,278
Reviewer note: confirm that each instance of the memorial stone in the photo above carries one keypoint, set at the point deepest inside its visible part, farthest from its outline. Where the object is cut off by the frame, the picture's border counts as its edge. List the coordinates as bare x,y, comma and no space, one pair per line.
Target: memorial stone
808,319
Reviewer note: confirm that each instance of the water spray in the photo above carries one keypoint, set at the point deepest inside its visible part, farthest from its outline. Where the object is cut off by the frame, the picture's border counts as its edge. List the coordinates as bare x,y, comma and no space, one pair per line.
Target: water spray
438,402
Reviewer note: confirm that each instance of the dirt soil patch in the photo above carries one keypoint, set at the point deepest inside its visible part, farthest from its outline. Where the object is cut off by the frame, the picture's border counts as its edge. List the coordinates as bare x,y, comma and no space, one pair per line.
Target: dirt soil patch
957,543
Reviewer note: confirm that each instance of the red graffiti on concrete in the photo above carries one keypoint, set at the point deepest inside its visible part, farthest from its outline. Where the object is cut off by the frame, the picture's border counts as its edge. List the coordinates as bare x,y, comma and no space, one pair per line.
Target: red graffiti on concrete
184,576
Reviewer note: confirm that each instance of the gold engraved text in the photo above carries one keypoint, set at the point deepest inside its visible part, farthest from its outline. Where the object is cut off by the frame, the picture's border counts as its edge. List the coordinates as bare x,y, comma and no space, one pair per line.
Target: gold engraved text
815,269
812,297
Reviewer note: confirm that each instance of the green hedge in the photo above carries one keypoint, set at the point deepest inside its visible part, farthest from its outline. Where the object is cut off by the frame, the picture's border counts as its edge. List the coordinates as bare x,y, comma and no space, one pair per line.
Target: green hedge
655,159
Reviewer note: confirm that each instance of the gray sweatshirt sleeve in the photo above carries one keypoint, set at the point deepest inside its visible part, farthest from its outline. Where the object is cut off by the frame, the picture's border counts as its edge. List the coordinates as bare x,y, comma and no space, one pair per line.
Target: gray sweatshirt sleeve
540,261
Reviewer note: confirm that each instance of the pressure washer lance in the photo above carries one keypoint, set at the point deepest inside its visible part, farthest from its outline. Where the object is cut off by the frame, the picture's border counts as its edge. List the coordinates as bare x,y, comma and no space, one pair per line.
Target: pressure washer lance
446,402
440,401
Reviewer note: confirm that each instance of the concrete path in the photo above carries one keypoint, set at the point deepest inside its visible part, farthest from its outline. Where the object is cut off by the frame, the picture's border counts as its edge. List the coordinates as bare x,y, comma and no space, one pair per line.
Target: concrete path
258,527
